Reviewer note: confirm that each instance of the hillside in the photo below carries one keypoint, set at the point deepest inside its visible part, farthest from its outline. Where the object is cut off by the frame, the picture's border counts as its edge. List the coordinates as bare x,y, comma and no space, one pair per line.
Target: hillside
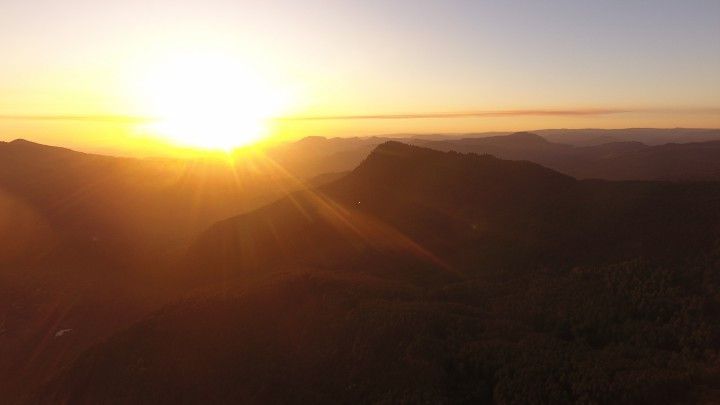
86,241
425,276
502,213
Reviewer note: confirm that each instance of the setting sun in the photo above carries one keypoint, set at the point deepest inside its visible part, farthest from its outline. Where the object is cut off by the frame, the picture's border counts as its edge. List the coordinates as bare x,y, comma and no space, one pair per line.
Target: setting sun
208,101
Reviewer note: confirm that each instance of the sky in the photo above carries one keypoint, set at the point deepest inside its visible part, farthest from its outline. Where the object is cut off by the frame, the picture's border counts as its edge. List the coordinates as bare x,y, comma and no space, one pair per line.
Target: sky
75,72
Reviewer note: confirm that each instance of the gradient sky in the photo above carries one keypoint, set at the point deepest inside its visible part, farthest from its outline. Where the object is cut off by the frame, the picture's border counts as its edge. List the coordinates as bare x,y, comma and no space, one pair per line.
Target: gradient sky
544,64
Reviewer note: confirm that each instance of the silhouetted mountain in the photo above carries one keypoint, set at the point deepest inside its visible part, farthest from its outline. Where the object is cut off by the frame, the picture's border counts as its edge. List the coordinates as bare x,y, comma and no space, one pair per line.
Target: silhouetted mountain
648,136
594,136
612,158
425,276
698,161
452,204
518,146
99,201
676,162
397,189
85,241
517,138
316,155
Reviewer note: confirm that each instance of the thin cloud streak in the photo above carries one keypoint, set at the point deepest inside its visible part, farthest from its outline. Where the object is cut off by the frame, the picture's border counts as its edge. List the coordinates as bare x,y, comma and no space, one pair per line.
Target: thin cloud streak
130,119
507,113
461,114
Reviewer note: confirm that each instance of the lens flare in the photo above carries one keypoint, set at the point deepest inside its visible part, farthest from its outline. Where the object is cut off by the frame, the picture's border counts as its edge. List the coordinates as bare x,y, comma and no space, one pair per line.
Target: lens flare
209,101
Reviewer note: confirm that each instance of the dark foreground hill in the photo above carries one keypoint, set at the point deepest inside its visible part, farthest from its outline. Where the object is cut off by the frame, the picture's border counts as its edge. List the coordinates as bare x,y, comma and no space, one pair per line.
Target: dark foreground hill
84,239
431,277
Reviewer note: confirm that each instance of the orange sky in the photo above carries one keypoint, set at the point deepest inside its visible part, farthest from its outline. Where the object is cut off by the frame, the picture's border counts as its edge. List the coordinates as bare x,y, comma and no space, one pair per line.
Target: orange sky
88,74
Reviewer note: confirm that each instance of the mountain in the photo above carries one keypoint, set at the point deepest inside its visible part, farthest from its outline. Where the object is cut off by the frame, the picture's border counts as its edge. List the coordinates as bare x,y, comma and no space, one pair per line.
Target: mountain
399,194
428,276
594,136
86,242
118,209
648,136
516,146
697,161
617,157
315,155
453,205
626,160
100,201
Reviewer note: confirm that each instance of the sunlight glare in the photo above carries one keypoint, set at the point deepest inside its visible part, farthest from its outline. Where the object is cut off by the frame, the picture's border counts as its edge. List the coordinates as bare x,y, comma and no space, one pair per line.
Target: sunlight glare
209,101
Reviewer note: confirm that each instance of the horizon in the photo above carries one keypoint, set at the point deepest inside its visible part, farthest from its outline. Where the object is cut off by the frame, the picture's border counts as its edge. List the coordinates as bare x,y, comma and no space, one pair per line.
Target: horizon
179,151
139,78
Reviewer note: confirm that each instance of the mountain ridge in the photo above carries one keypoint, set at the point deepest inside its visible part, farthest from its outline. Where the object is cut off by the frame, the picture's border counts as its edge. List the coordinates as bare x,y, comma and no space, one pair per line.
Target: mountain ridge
478,279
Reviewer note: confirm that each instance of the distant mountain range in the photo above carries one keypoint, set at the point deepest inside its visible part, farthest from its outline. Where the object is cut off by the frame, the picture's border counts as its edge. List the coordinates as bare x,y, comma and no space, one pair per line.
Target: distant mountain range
591,136
648,136
636,154
627,160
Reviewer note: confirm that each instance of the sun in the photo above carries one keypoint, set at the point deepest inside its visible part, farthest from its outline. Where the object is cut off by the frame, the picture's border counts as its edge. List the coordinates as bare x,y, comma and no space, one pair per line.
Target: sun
209,101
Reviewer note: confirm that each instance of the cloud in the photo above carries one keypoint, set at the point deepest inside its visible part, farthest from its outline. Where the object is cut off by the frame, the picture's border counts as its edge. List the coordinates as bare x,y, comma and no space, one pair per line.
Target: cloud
85,118
404,116
460,114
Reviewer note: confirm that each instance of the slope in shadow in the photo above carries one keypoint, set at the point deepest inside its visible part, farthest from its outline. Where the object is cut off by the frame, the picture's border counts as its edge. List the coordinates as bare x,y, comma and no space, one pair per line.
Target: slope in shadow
426,276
